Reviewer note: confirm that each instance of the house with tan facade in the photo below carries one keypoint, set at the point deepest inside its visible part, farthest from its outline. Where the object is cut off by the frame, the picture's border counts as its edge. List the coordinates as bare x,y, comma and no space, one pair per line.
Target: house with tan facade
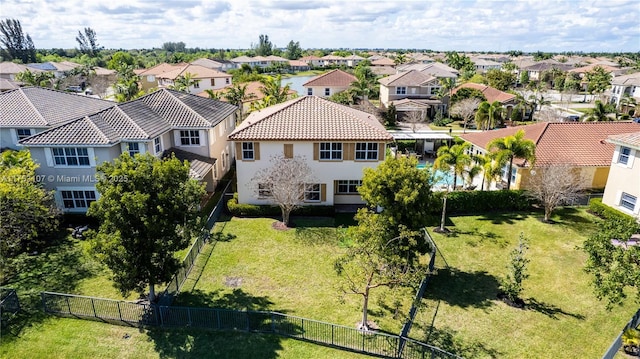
149,77
411,84
623,184
162,123
581,145
205,78
329,83
337,141
26,111
624,86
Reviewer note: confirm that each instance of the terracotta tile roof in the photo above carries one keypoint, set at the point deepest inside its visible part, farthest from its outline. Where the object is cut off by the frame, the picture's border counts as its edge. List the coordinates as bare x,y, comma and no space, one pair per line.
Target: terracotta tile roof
8,67
490,93
160,69
626,139
6,84
577,144
409,78
436,69
588,68
385,61
333,78
140,119
310,118
197,72
297,63
41,107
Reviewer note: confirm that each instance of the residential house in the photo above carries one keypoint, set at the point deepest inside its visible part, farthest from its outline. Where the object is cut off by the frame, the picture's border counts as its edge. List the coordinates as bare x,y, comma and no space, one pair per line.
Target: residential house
149,77
581,72
353,60
217,64
482,65
491,94
297,65
625,85
9,70
333,60
329,83
383,61
535,71
163,122
59,69
6,85
30,110
259,61
410,84
313,61
437,69
206,78
581,145
623,184
338,143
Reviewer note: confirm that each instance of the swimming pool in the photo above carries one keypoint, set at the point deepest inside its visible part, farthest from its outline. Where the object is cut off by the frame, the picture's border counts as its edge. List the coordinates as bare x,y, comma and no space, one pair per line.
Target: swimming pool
442,178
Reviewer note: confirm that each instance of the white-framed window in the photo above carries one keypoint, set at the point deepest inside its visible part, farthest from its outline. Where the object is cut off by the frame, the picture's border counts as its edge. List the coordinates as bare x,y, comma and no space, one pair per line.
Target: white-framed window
23,133
327,91
133,148
77,198
71,156
505,170
628,201
624,154
309,91
312,192
401,90
434,90
189,137
264,190
348,186
227,80
331,151
248,152
366,151
157,145
196,85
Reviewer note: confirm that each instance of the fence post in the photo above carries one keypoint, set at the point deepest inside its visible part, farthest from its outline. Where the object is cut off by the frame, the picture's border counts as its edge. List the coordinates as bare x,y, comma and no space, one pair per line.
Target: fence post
68,305
161,316
44,302
332,330
189,315
273,323
119,311
93,305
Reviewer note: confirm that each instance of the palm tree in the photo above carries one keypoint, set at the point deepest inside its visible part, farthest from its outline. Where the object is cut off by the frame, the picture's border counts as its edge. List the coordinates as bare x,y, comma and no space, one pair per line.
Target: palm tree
454,159
598,112
507,148
490,168
184,82
274,92
214,95
482,115
494,114
237,95
628,105
400,59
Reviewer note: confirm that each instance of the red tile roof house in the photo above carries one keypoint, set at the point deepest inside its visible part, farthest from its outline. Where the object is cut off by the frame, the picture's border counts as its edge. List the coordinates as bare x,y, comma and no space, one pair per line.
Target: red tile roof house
581,145
207,79
163,122
337,141
411,84
329,83
623,185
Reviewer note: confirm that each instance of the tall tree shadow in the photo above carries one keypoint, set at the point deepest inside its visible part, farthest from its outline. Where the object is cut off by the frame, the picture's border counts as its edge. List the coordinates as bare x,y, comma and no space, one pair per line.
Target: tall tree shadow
475,289
549,310
505,218
449,340
237,299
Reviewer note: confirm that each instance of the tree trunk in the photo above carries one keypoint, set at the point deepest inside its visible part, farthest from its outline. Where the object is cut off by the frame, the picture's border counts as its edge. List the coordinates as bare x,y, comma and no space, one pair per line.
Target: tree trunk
455,180
482,184
509,173
285,216
365,307
444,211
547,213
152,292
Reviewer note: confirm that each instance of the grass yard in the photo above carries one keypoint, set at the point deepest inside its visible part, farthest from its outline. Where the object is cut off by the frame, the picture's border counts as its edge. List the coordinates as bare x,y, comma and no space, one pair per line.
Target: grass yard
261,268
562,318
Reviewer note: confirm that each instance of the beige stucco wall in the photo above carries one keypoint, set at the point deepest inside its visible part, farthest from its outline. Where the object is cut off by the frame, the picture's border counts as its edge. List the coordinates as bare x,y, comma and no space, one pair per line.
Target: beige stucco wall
623,178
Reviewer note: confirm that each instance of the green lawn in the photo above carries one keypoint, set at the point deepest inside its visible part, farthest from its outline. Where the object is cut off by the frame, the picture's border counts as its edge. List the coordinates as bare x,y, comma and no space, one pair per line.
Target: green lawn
563,318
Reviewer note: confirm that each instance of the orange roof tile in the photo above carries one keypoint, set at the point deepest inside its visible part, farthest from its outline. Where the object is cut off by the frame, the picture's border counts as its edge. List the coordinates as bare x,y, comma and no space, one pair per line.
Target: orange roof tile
491,94
334,78
578,144
626,139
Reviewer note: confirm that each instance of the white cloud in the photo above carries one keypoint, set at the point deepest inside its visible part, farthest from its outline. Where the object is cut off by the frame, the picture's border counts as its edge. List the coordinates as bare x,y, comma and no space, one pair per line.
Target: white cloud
438,24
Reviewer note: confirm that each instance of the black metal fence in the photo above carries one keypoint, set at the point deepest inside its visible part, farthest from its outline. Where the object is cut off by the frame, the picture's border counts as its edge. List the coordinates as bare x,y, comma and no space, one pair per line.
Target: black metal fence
617,343
143,314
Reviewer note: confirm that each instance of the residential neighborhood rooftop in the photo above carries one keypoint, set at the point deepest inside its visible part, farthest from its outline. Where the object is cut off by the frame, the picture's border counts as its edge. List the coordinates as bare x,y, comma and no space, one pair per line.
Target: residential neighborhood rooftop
332,78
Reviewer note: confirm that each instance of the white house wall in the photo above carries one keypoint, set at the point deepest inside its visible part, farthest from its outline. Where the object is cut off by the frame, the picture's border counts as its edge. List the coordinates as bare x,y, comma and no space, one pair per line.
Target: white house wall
623,178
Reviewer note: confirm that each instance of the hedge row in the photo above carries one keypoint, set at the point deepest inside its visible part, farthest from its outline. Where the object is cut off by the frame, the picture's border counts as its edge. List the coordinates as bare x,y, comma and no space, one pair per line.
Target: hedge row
605,212
252,210
467,202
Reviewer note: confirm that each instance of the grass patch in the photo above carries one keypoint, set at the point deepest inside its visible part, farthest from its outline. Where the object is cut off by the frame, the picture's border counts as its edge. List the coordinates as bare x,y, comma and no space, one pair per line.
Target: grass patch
562,319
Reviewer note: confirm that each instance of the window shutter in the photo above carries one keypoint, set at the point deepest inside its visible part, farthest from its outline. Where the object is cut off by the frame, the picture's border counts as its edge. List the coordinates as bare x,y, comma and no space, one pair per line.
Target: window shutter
48,154
256,151
632,156
316,151
349,152
239,151
335,186
616,155
92,157
381,151
288,150
323,192
176,138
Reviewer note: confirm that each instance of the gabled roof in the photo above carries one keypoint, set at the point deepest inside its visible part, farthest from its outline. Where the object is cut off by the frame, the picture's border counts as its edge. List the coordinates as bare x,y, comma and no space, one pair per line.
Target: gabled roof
140,119
407,103
199,165
160,69
310,118
6,84
627,80
333,78
626,139
197,72
490,93
41,107
384,61
208,63
544,66
589,68
578,144
408,78
8,67
436,69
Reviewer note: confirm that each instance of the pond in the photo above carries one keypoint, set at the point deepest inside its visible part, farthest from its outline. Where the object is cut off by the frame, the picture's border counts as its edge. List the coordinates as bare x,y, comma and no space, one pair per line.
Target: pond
295,83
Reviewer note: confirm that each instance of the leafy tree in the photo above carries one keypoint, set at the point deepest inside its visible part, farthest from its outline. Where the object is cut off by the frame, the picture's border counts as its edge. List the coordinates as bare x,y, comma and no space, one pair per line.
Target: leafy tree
598,112
524,78
554,186
370,260
537,101
598,80
465,109
501,80
285,182
615,269
403,192
511,286
466,92
119,59
400,59
237,95
174,46
458,62
41,78
15,44
88,42
264,46
482,115
505,149
148,210
628,105
27,210
294,51
273,91
390,116
490,168
346,97
184,82
127,85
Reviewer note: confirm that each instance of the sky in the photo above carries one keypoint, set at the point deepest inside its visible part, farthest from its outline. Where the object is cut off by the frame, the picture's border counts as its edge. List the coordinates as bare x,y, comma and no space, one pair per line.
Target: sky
439,25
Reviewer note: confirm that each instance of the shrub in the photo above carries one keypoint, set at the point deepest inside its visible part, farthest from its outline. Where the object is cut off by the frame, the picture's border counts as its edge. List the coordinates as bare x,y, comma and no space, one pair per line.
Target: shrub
462,202
442,121
596,207
254,210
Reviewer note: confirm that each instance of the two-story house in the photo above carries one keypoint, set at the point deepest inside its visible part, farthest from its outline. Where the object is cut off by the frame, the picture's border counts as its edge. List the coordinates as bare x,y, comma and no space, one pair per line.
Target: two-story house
411,84
623,184
329,83
337,141
624,86
26,111
161,123
204,78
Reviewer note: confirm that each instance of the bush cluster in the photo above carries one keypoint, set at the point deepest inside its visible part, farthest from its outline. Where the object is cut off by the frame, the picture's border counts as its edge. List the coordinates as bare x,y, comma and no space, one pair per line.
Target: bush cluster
465,202
603,211
253,210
